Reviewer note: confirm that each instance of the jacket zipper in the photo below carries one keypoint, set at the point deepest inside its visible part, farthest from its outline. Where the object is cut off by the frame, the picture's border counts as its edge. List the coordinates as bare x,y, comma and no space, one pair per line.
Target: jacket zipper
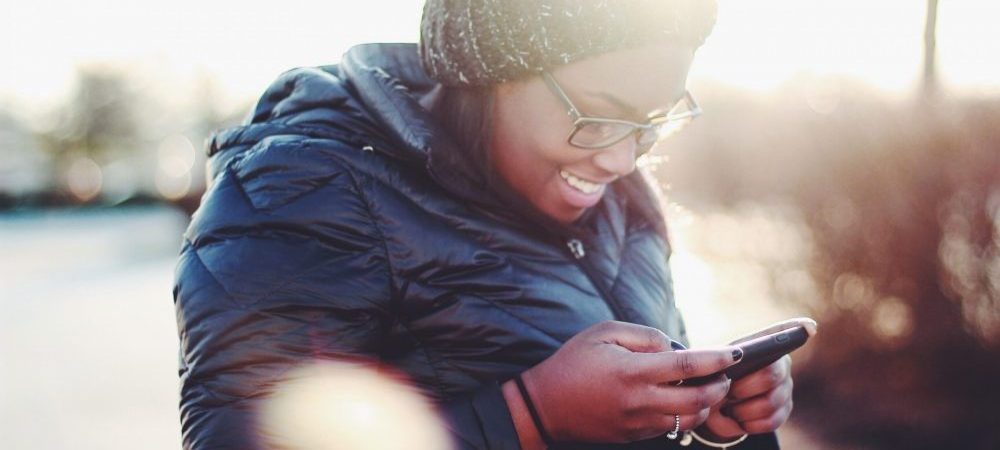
579,253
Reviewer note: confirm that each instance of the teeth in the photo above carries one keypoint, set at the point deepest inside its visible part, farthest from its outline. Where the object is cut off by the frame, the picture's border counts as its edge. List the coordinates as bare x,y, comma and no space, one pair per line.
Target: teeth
582,185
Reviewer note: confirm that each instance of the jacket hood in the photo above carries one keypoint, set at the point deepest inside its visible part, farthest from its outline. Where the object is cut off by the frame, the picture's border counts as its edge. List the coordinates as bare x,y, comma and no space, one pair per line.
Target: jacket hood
389,81
356,102
369,101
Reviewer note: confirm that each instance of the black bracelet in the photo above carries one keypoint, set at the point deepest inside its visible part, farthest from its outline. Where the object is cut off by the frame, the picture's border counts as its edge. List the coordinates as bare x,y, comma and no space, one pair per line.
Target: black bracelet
534,414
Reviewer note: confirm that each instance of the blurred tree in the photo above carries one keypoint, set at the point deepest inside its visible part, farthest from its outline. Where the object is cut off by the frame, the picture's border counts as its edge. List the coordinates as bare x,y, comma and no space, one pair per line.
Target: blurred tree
913,308
23,168
902,203
100,122
930,49
100,117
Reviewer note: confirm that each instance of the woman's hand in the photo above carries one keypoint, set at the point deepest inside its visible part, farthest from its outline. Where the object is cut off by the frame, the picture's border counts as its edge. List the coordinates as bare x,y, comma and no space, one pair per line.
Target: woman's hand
761,401
757,403
611,383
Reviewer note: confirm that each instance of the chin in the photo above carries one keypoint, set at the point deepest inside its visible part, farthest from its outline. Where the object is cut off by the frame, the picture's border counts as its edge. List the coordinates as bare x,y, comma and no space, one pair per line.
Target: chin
554,207
568,217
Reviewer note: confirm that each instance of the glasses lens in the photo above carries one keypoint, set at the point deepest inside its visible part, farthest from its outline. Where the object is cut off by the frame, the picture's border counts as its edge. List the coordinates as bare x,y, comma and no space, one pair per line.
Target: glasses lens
599,134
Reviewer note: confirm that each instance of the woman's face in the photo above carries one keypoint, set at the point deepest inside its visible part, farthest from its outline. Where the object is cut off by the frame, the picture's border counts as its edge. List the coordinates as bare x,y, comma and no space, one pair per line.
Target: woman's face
530,148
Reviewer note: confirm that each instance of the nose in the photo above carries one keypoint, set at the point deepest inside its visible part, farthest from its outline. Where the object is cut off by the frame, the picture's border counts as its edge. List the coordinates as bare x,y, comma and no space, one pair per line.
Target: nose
619,158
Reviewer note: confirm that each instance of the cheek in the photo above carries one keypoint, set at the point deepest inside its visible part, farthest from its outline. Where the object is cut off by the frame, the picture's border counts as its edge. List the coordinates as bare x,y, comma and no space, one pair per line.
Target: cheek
534,170
543,134
530,147
524,168
531,157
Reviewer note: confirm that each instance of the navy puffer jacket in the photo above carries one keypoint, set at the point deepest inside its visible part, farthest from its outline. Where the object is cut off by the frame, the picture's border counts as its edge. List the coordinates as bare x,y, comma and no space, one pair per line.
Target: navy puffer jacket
337,226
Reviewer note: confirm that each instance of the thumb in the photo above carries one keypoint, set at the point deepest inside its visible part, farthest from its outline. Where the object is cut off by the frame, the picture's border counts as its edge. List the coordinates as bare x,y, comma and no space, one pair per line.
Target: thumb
635,338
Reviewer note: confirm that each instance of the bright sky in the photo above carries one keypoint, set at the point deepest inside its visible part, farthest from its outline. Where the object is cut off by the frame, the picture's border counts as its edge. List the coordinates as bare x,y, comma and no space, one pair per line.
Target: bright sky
244,45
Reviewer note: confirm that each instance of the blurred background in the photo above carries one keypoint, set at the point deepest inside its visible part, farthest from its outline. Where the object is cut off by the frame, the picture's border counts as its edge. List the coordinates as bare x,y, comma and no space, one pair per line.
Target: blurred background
847,168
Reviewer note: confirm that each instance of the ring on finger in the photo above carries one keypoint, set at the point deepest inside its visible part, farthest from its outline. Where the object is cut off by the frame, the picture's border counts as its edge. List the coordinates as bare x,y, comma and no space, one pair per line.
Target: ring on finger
677,427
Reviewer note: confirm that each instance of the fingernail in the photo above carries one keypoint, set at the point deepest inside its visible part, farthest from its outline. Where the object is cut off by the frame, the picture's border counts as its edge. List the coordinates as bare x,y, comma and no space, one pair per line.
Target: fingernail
737,354
677,345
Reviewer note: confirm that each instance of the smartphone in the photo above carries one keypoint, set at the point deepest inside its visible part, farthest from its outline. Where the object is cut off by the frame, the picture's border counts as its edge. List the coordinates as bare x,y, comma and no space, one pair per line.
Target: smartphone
759,353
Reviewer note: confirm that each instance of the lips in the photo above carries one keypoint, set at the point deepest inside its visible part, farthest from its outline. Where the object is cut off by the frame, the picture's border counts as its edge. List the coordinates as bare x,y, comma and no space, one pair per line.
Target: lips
580,193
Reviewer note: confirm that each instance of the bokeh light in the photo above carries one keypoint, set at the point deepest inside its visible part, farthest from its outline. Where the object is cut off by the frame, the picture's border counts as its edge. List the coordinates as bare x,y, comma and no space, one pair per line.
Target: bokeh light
334,406
176,156
84,179
173,187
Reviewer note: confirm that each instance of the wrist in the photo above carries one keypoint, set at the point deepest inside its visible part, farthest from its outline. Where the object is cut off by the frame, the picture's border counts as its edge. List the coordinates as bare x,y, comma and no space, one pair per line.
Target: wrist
706,432
527,434
529,397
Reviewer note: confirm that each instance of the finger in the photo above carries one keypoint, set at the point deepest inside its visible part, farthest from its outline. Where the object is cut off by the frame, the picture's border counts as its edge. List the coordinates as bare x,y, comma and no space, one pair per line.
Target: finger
722,425
762,406
666,422
658,424
692,421
682,364
768,424
634,337
805,322
763,380
689,399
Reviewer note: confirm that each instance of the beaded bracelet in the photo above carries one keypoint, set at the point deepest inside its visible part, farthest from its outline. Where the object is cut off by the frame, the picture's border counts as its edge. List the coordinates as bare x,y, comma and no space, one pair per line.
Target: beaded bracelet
722,445
534,413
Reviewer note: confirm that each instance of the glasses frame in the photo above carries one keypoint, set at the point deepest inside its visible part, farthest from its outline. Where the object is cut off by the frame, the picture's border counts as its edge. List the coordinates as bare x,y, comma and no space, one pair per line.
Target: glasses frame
656,121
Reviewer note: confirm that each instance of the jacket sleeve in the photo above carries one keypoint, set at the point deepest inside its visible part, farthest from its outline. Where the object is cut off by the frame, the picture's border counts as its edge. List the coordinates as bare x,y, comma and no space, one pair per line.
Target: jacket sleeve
279,268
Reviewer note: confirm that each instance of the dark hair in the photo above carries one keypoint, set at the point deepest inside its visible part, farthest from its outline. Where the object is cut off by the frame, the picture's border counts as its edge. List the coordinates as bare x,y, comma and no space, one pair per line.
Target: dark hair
466,114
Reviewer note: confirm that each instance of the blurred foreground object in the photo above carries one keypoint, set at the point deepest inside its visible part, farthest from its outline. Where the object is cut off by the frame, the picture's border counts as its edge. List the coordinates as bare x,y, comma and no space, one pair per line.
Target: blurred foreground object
346,406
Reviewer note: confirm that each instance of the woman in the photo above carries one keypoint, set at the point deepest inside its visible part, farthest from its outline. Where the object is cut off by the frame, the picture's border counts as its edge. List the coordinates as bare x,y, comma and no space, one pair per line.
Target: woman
469,213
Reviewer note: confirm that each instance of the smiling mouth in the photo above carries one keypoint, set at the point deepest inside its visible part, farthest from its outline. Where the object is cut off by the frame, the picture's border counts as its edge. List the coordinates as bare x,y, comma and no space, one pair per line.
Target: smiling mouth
580,184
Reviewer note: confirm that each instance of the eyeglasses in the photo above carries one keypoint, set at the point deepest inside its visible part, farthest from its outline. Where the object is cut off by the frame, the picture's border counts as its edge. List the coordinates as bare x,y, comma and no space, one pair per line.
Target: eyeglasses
598,132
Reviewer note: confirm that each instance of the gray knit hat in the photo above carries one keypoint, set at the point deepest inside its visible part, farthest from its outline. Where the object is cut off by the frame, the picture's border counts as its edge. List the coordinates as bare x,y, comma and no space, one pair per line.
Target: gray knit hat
485,42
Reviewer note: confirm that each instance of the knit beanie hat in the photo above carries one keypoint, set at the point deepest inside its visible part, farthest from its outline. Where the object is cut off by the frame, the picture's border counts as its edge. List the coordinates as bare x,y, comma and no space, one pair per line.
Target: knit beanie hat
485,42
